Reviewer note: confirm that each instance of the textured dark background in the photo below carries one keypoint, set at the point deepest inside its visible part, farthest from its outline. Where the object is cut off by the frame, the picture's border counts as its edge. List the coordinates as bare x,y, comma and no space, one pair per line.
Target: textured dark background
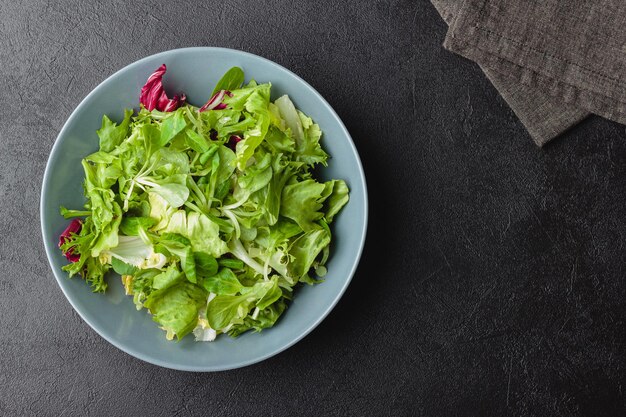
492,281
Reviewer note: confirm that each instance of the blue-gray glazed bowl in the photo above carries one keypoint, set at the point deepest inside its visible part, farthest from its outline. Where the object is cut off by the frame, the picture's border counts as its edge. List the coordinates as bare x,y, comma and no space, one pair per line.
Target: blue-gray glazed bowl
113,315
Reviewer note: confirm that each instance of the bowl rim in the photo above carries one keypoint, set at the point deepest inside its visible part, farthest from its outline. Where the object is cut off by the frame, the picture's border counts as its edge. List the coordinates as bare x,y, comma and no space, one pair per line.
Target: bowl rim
54,155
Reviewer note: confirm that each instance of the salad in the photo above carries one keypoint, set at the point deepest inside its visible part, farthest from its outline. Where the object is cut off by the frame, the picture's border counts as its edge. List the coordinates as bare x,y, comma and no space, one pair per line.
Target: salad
210,215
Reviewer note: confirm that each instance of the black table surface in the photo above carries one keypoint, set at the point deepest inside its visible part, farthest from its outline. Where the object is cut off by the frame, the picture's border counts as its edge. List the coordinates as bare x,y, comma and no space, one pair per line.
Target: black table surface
492,281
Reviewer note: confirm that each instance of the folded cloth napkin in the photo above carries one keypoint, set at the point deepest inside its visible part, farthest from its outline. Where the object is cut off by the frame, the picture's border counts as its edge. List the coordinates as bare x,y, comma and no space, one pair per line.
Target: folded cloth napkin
553,61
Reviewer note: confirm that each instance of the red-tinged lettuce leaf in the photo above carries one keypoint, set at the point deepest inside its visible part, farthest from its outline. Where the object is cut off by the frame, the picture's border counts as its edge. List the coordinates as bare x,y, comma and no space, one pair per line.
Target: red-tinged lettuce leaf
215,102
72,229
153,95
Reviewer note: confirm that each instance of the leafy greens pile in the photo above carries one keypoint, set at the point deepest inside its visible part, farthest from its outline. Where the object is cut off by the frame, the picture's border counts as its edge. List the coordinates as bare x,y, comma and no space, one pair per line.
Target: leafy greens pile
210,215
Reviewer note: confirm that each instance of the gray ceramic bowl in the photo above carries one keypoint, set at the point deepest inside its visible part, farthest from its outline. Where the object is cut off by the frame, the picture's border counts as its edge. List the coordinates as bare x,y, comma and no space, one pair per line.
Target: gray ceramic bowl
195,71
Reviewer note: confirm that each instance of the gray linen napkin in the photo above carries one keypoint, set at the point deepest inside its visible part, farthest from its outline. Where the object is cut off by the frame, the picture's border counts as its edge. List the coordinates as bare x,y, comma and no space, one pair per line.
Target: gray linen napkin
553,61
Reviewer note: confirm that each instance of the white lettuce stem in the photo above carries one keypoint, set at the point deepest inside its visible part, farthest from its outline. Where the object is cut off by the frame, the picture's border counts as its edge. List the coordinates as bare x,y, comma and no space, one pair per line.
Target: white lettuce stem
240,252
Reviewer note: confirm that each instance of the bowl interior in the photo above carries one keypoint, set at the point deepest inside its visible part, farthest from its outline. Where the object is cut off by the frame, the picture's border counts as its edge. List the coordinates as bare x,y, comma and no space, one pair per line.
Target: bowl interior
195,71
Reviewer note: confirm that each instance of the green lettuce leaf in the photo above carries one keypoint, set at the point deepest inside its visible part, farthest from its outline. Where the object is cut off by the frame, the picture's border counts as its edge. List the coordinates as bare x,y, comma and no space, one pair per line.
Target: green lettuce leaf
203,234
225,282
225,310
167,278
176,308
256,104
197,142
130,226
292,120
111,134
305,249
173,188
309,149
265,319
206,265
338,198
301,203
231,80
171,126
122,268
